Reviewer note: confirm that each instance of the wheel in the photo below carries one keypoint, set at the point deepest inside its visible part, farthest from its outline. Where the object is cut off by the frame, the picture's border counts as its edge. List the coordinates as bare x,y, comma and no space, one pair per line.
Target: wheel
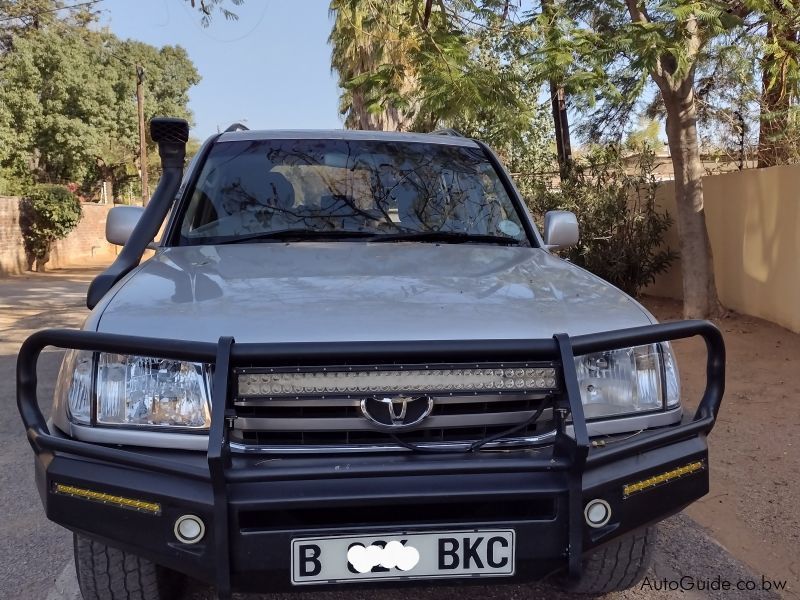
617,566
106,573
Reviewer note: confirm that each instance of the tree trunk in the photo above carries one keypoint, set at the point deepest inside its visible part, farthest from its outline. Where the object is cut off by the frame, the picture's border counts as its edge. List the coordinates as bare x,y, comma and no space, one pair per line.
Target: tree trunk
358,117
42,261
699,289
776,96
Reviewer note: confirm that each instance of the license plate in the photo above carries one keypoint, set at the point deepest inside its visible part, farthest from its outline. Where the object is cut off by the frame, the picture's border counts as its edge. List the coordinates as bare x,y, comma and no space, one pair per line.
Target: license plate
475,553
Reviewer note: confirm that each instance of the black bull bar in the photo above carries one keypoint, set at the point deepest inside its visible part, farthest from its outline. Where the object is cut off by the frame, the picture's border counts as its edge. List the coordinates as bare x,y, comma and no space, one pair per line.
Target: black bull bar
572,453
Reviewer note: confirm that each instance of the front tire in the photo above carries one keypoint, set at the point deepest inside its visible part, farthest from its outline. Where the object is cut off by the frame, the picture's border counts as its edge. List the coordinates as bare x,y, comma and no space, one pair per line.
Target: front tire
106,573
617,566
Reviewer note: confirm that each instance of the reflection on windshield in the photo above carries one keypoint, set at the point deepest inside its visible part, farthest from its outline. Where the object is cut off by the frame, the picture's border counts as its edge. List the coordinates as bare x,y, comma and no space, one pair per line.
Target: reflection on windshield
252,187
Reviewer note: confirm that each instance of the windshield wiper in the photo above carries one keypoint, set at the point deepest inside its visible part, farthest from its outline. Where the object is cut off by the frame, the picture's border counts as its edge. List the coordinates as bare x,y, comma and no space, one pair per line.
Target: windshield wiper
449,237
289,234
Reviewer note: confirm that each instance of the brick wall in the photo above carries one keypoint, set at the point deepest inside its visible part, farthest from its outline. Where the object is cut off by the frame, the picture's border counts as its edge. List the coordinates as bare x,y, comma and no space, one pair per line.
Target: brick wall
86,244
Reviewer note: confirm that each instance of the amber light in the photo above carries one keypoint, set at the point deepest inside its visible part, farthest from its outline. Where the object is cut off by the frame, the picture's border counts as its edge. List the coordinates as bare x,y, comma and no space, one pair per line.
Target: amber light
152,508
645,484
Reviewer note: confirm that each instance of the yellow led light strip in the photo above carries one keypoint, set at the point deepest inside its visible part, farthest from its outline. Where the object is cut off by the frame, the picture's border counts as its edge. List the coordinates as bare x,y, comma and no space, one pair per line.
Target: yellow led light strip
70,490
651,482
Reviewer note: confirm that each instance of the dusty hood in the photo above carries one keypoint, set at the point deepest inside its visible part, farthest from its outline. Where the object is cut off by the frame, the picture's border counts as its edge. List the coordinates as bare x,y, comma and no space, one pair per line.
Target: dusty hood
360,291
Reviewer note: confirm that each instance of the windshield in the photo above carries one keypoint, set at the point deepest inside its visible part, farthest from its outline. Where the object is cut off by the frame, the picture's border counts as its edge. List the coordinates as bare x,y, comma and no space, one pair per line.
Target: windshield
249,188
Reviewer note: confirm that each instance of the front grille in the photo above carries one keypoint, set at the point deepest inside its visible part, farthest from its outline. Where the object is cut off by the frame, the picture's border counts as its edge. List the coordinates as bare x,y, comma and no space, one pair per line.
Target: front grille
328,424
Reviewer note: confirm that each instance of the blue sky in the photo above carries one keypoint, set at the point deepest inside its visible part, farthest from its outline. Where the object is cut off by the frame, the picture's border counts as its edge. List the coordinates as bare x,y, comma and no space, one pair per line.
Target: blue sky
271,67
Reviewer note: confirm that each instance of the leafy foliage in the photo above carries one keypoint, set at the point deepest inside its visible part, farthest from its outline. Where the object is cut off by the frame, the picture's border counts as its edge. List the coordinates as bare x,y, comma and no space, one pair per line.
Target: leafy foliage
47,213
458,65
620,52
208,8
372,55
608,55
68,101
417,65
743,57
621,228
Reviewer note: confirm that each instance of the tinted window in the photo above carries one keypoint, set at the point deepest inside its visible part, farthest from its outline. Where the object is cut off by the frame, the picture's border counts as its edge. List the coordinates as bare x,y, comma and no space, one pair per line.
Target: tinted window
250,187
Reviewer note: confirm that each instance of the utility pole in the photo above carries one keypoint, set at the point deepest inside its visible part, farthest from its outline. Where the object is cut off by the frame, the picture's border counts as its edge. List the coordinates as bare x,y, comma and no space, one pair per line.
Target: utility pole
560,118
142,138
561,122
742,128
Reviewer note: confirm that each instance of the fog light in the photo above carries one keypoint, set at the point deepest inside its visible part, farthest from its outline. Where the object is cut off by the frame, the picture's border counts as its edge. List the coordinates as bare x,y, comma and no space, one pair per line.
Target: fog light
189,529
597,513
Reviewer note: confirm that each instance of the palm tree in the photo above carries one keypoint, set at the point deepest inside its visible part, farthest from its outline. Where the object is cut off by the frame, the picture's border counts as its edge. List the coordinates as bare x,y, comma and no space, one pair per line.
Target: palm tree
373,46
419,65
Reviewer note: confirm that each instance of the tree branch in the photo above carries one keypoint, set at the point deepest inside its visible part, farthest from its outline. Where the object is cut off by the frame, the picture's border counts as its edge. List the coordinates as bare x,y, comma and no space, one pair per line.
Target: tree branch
695,39
639,15
427,15
737,9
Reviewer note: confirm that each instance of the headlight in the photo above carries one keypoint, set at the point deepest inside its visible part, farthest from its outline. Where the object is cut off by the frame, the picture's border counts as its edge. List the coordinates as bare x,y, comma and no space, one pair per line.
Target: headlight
628,381
134,391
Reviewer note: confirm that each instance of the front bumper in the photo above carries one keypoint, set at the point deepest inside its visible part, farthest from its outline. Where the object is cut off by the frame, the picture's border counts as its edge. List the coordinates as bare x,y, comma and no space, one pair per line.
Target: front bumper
253,508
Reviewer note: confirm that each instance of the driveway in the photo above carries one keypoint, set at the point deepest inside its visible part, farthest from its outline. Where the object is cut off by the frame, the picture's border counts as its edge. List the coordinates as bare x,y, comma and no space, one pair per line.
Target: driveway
35,558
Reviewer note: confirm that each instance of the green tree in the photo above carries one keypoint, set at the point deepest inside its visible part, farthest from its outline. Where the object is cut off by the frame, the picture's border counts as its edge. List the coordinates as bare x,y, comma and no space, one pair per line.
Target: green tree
169,74
22,15
372,47
415,64
606,53
615,202
521,132
748,81
647,134
47,213
67,93
780,81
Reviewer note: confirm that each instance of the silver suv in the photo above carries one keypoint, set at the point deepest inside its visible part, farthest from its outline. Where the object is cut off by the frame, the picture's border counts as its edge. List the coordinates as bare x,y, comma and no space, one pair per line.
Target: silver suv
353,358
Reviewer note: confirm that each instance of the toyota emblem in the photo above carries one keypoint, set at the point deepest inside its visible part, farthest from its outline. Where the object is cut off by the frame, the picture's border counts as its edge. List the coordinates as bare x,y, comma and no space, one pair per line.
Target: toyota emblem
396,412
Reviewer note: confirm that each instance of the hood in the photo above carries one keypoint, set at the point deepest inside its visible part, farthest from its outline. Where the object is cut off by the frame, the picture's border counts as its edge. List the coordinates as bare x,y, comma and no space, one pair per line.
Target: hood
357,291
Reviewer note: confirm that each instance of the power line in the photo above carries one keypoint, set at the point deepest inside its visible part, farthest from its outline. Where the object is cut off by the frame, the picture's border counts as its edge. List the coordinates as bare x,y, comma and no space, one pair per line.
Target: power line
51,10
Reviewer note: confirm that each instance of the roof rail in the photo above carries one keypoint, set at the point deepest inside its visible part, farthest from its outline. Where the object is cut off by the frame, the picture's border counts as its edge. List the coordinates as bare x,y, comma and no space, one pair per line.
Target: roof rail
448,131
237,127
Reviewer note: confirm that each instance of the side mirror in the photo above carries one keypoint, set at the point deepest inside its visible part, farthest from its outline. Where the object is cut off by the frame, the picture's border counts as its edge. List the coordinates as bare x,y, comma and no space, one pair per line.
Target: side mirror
560,229
121,222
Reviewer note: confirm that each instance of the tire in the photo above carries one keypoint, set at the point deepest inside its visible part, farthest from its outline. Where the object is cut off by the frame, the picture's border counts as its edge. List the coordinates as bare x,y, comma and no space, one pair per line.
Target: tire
617,566
106,573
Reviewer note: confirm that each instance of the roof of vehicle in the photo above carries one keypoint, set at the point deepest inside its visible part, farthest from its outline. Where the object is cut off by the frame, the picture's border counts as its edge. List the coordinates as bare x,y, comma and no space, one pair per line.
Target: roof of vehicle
346,134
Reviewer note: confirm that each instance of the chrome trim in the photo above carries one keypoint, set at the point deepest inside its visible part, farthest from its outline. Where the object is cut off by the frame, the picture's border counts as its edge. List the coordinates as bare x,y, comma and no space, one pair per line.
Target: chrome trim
133,437
200,442
501,444
362,424
398,418
630,423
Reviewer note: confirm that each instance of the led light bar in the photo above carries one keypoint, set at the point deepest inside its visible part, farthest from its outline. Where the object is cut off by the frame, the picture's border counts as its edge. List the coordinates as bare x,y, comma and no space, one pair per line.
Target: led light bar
656,480
152,508
398,380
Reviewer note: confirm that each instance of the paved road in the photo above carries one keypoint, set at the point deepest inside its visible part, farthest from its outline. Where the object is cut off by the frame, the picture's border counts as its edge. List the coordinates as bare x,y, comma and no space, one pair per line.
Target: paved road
35,556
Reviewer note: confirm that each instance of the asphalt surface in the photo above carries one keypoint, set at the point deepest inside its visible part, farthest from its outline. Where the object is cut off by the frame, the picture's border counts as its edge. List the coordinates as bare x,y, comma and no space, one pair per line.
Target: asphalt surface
35,554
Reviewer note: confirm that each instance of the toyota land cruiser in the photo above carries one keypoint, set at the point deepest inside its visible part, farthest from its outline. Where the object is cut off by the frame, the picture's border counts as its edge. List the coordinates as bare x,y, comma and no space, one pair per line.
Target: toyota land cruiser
354,360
